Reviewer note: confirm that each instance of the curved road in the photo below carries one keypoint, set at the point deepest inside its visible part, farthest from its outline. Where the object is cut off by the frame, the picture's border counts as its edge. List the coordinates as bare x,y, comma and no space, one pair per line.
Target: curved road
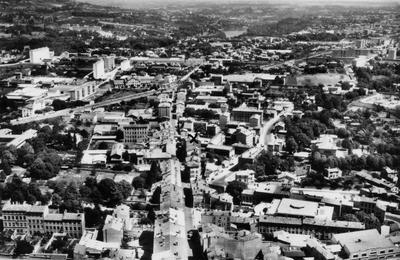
267,127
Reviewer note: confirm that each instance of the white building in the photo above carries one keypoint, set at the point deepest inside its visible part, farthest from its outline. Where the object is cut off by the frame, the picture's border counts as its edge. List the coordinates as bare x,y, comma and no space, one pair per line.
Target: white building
99,69
38,56
332,173
125,65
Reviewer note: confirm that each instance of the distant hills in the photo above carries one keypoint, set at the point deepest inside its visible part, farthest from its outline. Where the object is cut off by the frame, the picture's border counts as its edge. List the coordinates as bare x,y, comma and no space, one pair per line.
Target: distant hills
163,3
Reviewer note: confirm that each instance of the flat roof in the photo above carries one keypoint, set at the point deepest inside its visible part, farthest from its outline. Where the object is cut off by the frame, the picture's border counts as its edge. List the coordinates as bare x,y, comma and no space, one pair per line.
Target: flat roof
360,241
280,220
298,208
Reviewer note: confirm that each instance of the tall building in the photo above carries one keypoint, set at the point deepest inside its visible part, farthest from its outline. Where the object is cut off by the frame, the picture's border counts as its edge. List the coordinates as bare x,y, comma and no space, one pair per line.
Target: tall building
26,218
136,133
99,69
38,56
392,54
109,63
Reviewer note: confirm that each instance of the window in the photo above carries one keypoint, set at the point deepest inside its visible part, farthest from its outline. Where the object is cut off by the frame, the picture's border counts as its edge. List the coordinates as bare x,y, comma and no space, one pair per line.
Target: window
390,251
364,254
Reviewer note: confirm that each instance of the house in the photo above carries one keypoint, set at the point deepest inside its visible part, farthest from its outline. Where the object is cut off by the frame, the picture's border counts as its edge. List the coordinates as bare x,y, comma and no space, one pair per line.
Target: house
332,173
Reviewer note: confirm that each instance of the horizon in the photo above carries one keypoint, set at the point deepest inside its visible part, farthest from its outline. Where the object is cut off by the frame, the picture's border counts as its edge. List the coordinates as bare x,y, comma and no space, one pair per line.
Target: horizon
164,3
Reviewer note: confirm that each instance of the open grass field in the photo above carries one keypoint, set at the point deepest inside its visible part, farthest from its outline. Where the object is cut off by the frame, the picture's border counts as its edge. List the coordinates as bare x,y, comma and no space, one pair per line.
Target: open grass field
321,78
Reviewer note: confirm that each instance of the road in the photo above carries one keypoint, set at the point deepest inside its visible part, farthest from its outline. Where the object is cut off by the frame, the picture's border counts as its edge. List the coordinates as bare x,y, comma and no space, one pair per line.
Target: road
68,111
392,217
267,127
14,64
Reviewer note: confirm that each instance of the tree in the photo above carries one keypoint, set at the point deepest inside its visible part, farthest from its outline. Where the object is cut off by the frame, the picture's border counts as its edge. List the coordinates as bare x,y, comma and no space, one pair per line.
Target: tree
350,217
40,170
6,168
23,248
103,146
138,182
59,104
17,196
119,135
93,217
154,175
125,188
155,198
8,156
235,189
56,200
291,145
181,153
71,197
110,192
126,156
151,215
188,197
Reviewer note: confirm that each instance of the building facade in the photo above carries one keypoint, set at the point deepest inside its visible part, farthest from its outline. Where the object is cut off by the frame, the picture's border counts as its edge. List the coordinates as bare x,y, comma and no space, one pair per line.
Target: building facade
136,133
25,218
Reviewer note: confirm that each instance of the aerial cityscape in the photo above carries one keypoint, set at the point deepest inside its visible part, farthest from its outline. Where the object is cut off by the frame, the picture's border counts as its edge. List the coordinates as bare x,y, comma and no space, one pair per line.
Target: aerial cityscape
202,130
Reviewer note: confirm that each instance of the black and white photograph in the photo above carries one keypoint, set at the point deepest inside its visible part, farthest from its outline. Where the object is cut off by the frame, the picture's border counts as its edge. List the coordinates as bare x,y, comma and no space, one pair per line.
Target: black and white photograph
200,129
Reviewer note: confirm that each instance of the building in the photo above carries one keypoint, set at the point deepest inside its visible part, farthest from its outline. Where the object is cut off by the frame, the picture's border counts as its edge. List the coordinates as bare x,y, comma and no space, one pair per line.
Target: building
367,244
221,244
332,173
109,63
392,55
7,138
76,92
26,218
245,136
134,134
125,65
244,113
361,43
170,237
113,230
321,229
326,144
245,176
164,110
99,69
71,223
224,119
38,56
351,53
33,105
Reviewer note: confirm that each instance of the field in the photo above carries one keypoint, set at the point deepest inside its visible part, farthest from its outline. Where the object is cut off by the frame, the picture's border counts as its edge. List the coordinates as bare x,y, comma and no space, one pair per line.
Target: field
322,78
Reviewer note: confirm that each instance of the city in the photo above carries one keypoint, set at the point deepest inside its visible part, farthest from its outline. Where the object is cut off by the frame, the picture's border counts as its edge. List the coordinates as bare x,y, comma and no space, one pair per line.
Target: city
199,130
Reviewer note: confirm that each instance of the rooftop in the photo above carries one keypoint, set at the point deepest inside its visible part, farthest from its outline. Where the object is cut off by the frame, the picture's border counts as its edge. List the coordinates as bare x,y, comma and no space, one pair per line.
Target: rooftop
298,208
359,241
